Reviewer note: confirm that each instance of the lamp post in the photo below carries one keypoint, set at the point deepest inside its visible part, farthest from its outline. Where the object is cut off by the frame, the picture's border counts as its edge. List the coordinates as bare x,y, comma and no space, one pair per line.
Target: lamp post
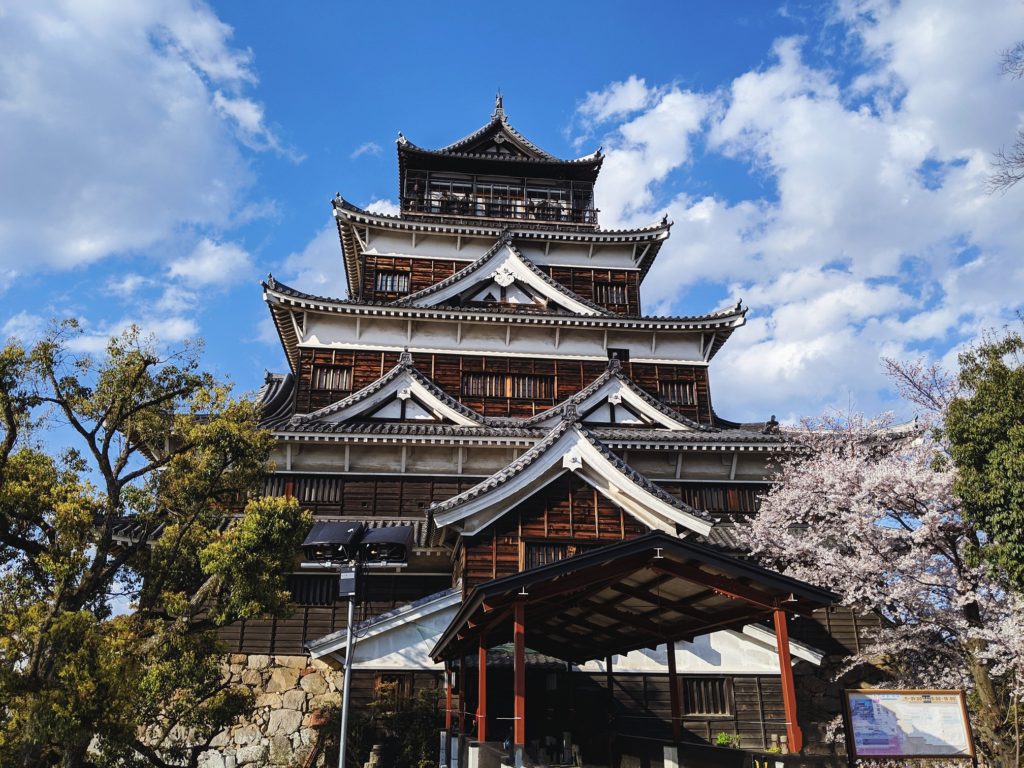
347,682
355,548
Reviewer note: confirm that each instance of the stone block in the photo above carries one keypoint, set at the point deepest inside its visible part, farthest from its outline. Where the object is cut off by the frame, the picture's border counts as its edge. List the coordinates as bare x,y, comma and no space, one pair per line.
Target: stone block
211,759
280,750
253,753
246,734
238,658
272,700
325,700
294,700
221,739
293,662
258,662
313,684
283,722
282,679
253,677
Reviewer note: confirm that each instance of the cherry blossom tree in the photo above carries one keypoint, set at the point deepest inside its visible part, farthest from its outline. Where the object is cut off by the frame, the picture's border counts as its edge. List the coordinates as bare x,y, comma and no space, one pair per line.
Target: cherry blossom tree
869,510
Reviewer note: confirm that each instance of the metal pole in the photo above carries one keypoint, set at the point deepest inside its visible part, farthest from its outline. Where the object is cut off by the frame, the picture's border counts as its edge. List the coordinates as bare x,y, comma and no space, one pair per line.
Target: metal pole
343,737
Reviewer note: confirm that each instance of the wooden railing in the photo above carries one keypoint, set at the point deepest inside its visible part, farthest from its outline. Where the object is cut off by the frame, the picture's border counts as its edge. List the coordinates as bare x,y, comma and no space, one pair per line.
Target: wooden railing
500,208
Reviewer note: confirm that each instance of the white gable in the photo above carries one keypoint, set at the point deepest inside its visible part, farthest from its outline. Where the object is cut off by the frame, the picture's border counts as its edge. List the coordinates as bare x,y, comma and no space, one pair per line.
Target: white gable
617,402
404,394
503,275
571,452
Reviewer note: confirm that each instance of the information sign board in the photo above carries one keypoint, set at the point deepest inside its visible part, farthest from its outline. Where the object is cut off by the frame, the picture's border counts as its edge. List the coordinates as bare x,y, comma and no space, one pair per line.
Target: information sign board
908,724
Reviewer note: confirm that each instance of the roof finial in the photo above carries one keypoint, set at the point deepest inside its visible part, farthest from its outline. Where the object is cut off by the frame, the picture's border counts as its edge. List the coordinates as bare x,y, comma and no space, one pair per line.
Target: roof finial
499,107
405,358
614,363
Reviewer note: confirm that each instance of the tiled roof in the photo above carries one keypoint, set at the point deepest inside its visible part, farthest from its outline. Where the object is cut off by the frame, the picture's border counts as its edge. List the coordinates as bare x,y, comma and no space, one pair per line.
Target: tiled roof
520,464
404,366
505,241
499,120
614,370
327,303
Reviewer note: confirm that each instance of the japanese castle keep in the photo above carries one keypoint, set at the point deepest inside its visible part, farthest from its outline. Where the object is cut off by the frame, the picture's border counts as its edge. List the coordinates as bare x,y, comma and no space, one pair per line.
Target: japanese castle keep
490,386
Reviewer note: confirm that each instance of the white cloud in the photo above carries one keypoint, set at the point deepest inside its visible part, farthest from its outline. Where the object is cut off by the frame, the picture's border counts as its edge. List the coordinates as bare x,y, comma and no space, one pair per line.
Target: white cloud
213,263
317,268
165,330
368,148
644,150
24,327
117,123
127,285
615,101
247,116
387,207
879,238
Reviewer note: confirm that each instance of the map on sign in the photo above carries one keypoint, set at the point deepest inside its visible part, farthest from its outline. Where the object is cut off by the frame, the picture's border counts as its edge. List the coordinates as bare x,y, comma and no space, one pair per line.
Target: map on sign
908,724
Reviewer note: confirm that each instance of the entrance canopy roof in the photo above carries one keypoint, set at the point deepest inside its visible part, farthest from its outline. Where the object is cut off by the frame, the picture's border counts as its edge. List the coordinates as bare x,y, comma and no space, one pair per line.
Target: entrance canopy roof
634,594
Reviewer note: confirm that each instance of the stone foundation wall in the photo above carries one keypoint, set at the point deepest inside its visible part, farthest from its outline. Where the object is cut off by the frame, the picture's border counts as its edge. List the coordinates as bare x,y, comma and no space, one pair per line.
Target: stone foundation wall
292,698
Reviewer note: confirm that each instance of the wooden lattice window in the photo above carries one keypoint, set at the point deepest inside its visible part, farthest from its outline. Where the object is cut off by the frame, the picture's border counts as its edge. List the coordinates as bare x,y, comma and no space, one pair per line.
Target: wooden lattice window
398,682
331,377
520,386
537,553
610,293
677,392
708,696
391,281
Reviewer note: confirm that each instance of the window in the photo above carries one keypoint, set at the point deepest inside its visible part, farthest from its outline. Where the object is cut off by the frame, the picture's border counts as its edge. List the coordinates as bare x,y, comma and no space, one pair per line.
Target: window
397,685
543,552
708,696
610,293
677,392
520,386
391,281
331,377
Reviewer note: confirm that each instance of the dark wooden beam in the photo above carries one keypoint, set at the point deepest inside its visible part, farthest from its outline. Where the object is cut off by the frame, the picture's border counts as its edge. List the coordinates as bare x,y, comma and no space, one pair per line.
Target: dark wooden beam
673,693
722,584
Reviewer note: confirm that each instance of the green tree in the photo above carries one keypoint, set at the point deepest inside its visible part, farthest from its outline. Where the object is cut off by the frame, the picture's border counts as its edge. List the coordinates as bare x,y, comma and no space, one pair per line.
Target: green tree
115,564
984,426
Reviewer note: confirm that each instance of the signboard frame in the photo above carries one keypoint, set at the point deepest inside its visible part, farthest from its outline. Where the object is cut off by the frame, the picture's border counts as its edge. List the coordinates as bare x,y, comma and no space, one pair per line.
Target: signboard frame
851,744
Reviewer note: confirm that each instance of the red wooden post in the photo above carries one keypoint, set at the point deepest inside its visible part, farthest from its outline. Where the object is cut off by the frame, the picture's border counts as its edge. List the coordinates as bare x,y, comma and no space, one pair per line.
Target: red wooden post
673,692
448,697
519,672
462,695
793,734
481,693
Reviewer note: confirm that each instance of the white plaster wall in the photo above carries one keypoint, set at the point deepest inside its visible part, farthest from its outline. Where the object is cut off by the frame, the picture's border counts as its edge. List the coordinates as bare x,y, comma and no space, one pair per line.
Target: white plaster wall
407,646
479,338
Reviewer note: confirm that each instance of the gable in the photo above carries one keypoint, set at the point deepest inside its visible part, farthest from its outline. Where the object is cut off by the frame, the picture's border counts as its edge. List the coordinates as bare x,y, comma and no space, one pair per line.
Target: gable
503,276
569,448
404,395
613,400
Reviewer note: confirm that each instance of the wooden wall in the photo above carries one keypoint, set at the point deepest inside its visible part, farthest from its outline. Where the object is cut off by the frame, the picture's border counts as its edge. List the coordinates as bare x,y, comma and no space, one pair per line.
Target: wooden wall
287,636
424,273
568,511
354,495
569,376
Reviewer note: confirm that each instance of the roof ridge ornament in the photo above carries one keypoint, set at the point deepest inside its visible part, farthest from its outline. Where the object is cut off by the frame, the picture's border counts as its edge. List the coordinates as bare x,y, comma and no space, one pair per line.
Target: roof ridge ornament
499,107
614,364
405,358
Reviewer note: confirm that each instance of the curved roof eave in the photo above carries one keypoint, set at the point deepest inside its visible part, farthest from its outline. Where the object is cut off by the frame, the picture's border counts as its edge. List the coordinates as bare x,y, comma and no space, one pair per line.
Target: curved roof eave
351,212
724,320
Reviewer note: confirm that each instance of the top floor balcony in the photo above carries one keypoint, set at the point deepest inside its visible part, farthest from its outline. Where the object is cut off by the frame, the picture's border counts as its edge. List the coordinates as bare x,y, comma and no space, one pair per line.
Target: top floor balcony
504,199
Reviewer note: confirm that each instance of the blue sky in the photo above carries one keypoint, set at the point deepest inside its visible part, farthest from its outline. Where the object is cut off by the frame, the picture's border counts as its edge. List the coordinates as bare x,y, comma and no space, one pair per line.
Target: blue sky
824,162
